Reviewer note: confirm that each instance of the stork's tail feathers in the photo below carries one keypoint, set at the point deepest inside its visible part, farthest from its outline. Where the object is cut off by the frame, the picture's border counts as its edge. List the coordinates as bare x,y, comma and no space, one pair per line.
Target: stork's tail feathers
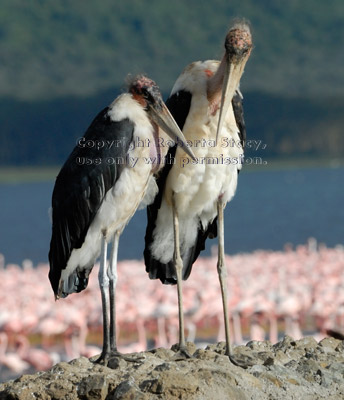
166,271
74,283
157,270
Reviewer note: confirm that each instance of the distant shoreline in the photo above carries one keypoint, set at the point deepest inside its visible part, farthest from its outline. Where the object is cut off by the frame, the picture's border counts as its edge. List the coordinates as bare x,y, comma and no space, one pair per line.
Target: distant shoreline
27,174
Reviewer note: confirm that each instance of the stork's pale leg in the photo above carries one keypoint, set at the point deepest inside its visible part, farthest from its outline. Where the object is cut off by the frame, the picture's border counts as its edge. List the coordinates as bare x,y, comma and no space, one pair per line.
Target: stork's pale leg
112,275
222,271
178,264
241,361
107,281
104,290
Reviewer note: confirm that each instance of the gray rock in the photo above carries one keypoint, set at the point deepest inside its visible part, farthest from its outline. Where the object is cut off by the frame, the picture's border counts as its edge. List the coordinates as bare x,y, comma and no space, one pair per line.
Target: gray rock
329,343
340,347
309,370
128,390
287,343
336,367
307,342
93,387
260,346
290,370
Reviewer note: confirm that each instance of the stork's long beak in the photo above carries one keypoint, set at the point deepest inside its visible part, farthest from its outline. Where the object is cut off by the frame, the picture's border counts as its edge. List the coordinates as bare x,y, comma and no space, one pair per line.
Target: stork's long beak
161,115
238,48
231,82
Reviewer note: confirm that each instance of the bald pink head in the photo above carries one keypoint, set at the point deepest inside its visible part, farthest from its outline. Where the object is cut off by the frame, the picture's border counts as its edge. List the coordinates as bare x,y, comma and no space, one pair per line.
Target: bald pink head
238,41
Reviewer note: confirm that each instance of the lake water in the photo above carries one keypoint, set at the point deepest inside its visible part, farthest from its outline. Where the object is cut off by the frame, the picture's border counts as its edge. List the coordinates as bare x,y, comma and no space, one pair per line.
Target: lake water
271,208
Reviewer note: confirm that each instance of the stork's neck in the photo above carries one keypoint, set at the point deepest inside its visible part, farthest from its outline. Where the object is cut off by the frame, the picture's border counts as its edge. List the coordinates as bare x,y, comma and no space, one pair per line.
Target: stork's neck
214,85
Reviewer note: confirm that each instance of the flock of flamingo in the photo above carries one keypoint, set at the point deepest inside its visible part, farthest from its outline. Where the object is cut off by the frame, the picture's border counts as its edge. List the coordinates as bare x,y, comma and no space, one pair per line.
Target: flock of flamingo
271,293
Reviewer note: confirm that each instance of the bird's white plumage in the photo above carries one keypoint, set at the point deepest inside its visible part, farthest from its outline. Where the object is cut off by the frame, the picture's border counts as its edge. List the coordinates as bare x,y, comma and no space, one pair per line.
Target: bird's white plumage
134,184
198,184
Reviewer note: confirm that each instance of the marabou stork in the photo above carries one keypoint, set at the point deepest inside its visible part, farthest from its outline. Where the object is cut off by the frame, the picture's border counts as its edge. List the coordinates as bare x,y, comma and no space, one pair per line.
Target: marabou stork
207,105
99,189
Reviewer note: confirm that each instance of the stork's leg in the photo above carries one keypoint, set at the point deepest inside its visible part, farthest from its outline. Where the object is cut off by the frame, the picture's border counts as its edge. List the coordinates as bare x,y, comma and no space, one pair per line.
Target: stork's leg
178,264
112,274
107,282
104,290
241,361
222,271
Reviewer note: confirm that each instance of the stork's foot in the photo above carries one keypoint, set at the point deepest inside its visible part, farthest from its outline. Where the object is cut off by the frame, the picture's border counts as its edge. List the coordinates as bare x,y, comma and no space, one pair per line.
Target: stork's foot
102,359
242,360
182,352
114,359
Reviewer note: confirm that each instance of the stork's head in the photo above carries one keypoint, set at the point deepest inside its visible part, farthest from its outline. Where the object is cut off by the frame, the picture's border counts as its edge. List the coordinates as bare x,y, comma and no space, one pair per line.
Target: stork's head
238,45
147,93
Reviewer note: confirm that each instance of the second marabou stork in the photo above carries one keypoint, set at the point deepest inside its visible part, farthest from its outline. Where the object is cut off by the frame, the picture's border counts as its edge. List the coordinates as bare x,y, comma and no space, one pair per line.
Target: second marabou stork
98,190
207,105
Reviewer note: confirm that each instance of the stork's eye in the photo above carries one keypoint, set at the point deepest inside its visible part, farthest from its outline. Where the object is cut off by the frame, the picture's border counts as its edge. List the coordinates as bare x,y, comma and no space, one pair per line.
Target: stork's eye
147,95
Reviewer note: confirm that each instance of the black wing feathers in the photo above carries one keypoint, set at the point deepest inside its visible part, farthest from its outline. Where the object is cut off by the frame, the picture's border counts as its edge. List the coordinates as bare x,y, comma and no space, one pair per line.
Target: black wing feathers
239,117
179,106
81,185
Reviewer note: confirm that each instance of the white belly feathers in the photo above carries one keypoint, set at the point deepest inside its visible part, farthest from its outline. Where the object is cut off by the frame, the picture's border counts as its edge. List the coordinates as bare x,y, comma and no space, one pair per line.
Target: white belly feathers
198,184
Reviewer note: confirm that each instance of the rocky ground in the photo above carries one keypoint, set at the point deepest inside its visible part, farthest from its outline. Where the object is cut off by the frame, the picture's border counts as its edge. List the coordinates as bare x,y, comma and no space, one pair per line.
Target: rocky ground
302,369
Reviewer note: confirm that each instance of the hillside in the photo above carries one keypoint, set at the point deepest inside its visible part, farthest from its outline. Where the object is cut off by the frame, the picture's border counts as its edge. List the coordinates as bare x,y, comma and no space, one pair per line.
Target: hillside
61,62
61,48
44,132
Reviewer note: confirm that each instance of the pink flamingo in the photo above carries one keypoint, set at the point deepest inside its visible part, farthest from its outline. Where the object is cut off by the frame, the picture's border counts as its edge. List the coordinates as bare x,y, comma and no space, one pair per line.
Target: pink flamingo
11,360
38,358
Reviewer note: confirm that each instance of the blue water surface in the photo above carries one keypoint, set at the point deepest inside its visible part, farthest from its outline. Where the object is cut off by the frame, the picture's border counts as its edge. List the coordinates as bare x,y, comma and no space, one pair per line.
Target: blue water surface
270,209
